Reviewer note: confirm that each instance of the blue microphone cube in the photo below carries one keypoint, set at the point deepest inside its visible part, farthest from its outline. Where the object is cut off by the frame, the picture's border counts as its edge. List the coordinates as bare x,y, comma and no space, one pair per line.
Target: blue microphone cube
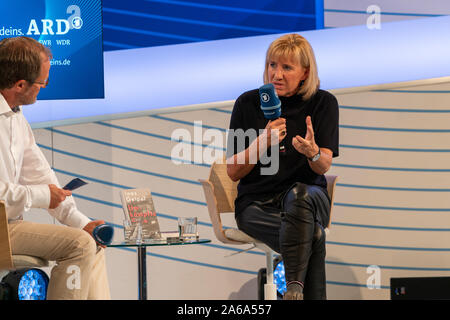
103,234
270,103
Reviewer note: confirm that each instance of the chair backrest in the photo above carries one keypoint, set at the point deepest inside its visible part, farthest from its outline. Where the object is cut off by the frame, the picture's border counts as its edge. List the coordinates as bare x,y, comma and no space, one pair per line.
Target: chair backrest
6,261
220,192
331,185
225,189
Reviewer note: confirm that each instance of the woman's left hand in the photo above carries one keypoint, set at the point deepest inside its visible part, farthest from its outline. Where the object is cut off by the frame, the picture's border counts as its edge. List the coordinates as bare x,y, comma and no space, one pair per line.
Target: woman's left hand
307,145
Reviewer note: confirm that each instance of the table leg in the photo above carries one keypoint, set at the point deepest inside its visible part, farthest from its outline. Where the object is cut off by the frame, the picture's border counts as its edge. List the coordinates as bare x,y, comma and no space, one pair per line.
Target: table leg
142,272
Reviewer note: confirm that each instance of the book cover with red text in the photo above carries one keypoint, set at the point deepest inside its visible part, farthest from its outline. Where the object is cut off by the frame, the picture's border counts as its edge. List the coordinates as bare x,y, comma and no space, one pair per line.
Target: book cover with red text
138,208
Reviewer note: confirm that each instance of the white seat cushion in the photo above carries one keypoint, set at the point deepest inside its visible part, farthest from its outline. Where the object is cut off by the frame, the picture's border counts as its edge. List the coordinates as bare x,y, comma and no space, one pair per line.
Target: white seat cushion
22,261
238,235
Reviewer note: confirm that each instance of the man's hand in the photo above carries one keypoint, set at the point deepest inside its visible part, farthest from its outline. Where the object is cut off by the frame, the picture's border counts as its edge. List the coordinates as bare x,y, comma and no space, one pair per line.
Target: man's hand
57,195
89,228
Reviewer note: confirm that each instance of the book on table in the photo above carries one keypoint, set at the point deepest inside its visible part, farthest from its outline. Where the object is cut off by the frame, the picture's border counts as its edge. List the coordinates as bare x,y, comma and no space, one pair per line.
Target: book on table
139,210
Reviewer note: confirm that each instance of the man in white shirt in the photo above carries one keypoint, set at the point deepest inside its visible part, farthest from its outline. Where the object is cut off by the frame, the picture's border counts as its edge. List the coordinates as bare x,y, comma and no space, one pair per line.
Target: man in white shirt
27,181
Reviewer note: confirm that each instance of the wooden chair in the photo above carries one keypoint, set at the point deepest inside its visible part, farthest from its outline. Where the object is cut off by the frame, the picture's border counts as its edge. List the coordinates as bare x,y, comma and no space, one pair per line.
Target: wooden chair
8,261
220,193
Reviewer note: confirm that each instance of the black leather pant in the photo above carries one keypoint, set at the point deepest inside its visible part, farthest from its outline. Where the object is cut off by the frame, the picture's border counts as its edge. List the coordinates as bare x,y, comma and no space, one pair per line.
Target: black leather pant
291,223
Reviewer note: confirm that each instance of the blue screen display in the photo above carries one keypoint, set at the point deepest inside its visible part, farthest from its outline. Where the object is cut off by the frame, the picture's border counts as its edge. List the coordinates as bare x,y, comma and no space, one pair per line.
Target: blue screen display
149,23
73,31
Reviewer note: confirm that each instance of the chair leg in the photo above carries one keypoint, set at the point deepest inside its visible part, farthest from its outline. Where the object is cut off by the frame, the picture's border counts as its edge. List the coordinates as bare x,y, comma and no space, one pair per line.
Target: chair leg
270,289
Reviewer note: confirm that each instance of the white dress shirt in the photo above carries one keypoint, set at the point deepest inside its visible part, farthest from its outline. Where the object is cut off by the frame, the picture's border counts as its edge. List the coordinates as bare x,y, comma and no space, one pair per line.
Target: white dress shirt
25,173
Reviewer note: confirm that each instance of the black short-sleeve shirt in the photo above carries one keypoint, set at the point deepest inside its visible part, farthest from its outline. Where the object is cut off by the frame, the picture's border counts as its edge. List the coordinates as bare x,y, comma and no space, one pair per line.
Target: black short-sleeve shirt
293,166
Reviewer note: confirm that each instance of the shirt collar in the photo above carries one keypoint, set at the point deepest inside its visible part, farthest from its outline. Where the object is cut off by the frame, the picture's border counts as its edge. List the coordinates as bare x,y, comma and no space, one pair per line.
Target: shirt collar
4,106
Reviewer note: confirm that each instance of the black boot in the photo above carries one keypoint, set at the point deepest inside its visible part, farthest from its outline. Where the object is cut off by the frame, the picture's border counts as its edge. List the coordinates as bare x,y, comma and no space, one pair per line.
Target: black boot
294,291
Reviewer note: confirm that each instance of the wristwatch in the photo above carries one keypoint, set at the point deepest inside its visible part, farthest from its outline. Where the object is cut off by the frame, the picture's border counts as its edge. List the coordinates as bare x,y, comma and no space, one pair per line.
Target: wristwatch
316,157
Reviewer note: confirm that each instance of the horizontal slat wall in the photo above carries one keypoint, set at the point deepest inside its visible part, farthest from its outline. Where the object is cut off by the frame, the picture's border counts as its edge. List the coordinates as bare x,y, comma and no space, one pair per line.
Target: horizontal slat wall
392,204
392,199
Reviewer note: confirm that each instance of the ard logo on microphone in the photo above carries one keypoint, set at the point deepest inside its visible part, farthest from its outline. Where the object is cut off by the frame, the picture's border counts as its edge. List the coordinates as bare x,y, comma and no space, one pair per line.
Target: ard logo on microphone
265,97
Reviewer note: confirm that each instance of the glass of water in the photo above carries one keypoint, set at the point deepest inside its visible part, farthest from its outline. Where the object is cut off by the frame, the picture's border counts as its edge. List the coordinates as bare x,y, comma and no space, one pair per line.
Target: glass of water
187,227
132,231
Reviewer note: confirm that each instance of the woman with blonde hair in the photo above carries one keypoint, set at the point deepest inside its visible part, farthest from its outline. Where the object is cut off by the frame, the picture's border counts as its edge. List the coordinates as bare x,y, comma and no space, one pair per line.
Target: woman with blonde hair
288,210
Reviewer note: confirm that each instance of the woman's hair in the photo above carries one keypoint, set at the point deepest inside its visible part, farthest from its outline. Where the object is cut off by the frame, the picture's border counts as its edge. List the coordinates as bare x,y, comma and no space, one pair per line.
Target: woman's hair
20,59
297,49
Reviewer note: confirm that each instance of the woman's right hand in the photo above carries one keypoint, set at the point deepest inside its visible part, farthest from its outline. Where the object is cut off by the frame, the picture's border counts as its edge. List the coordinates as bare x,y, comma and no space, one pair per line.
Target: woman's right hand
280,126
241,164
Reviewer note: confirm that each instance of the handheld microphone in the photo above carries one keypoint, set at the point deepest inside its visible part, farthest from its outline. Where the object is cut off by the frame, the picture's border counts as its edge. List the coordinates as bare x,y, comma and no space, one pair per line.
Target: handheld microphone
270,105
103,234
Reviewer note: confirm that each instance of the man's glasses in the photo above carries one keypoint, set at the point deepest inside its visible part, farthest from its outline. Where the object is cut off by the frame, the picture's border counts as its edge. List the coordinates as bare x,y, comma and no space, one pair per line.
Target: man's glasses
43,83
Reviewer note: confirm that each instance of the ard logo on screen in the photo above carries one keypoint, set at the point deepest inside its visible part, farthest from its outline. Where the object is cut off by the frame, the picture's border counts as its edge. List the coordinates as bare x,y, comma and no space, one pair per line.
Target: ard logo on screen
63,26
38,27
77,23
